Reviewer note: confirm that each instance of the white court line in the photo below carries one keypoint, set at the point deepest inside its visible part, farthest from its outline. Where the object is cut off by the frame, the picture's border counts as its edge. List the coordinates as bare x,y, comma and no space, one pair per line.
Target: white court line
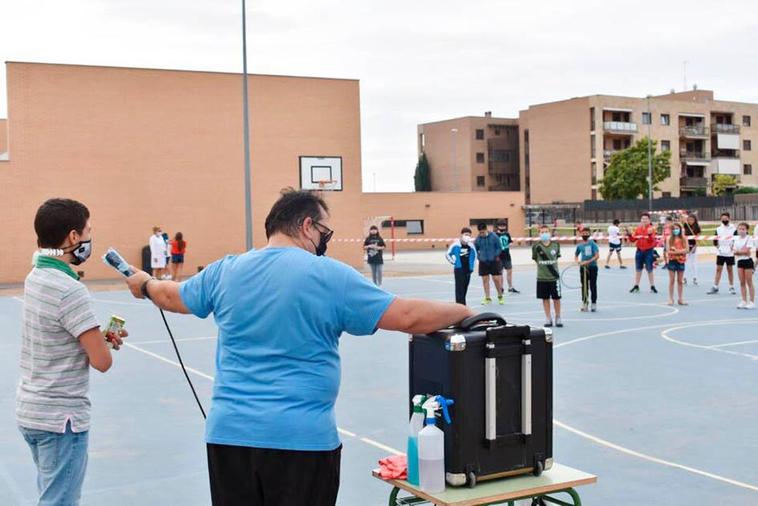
656,460
665,335
164,359
738,343
18,299
368,441
178,340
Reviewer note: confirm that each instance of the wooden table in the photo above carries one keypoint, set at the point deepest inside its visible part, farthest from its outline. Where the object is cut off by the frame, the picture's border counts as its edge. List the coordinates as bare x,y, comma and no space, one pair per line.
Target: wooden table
559,479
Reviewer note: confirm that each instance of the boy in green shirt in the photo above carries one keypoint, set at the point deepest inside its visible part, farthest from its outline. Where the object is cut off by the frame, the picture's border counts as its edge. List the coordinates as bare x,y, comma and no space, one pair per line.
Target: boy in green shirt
546,253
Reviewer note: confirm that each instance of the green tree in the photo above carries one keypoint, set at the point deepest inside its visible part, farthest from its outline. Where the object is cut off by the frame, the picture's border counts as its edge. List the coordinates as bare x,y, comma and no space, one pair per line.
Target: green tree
422,179
626,175
746,189
722,184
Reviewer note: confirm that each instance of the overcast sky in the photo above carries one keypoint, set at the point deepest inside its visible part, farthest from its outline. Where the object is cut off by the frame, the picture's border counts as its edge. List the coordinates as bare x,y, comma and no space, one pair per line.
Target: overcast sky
417,61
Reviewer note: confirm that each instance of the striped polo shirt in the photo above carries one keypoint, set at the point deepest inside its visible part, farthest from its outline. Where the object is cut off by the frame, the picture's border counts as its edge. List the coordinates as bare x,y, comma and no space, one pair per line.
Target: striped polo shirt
54,386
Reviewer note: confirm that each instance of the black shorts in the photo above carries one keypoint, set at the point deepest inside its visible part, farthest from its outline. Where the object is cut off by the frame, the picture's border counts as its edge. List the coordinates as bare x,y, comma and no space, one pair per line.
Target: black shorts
724,260
240,475
548,290
505,259
614,247
491,268
746,263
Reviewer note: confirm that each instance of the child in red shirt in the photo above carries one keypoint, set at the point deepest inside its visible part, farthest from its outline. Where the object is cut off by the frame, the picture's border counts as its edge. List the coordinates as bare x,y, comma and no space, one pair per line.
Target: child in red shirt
644,237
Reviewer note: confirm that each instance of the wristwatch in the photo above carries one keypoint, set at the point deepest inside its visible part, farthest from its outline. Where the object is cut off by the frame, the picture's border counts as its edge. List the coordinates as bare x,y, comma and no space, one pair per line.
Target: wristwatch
143,289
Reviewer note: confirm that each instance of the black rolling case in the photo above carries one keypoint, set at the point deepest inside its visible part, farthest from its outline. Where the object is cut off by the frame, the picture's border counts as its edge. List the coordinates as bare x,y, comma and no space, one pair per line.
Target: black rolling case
501,379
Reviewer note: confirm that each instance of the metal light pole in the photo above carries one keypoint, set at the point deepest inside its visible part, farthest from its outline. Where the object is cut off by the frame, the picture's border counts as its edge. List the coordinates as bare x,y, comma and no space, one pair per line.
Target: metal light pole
649,158
246,139
454,132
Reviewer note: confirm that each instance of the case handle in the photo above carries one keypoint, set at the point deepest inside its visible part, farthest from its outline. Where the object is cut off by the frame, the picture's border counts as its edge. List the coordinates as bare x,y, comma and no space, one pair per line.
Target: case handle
478,319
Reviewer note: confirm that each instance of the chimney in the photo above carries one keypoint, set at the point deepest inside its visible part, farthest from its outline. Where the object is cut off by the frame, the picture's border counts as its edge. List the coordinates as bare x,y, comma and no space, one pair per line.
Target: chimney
488,114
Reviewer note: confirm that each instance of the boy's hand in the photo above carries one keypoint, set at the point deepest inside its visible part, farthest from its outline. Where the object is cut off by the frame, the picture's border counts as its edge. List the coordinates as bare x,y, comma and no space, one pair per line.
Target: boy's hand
134,282
116,339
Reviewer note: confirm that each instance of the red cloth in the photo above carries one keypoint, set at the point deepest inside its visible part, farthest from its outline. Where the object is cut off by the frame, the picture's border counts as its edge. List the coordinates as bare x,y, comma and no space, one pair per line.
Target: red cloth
644,237
394,467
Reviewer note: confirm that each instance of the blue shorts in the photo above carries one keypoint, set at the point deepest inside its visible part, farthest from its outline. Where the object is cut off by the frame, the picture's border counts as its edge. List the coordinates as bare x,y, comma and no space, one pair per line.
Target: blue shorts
644,258
675,266
177,259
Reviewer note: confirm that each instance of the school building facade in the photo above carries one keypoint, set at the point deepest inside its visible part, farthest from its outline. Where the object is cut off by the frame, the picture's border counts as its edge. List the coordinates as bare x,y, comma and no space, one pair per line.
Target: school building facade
145,147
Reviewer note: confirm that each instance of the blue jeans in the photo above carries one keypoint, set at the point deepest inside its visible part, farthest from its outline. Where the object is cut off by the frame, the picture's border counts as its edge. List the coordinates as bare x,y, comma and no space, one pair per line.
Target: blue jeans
61,461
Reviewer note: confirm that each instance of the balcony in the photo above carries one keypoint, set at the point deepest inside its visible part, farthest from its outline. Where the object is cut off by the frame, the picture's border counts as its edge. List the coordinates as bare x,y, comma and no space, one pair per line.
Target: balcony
608,153
694,156
694,131
502,168
725,128
693,182
620,127
725,153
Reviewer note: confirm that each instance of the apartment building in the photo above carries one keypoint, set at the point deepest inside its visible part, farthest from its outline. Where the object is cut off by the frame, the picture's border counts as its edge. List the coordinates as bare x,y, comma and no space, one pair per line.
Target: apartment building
473,153
566,146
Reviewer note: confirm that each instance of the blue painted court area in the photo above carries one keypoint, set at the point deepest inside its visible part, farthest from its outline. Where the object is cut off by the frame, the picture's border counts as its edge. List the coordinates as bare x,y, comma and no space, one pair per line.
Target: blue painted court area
660,402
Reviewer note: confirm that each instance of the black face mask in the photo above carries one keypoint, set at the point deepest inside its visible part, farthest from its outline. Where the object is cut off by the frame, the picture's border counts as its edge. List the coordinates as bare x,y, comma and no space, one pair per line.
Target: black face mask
322,242
585,238
725,222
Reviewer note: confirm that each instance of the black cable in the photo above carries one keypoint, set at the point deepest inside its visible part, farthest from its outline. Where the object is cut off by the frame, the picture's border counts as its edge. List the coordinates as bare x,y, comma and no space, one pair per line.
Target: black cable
181,363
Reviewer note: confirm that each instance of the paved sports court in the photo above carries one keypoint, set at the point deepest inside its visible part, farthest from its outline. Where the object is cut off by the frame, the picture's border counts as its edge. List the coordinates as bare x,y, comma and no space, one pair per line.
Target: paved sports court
660,402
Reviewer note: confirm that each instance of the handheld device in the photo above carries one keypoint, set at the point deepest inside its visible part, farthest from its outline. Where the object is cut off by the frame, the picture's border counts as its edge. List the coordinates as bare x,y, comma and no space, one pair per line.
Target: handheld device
115,260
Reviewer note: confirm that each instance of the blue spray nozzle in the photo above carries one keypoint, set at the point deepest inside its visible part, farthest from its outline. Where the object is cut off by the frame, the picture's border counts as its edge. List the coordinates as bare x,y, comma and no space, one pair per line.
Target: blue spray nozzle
444,403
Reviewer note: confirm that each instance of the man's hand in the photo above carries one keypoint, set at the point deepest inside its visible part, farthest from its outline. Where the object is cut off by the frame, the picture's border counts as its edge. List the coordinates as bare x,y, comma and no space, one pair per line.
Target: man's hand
134,282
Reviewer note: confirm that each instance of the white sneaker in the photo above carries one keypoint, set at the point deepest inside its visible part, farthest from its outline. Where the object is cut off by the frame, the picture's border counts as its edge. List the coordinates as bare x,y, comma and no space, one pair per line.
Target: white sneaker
742,305
750,305
732,291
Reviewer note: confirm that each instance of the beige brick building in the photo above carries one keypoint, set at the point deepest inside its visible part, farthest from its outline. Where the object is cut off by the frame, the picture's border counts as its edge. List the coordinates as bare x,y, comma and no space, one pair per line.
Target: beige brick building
144,147
565,146
472,153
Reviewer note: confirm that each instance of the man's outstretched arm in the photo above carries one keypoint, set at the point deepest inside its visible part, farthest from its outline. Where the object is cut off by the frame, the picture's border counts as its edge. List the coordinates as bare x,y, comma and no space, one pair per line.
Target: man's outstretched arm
164,294
418,316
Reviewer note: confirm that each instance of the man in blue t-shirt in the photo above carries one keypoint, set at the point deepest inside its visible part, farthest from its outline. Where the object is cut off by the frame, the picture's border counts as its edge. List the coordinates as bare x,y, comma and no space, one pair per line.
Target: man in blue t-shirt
586,254
271,432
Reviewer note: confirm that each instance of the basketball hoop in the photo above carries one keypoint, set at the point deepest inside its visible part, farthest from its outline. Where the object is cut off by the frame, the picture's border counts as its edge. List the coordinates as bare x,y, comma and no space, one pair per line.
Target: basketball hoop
326,184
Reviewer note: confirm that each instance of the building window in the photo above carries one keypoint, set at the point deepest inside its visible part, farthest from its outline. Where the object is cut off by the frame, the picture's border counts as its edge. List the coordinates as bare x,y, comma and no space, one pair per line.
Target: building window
592,119
747,169
646,118
412,227
472,222
421,142
746,121
665,145
479,134
665,119
666,195
479,180
594,194
480,158
747,145
592,146
500,155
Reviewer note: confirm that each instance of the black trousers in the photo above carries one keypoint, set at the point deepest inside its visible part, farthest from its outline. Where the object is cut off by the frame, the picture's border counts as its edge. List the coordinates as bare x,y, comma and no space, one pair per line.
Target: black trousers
462,279
588,274
242,476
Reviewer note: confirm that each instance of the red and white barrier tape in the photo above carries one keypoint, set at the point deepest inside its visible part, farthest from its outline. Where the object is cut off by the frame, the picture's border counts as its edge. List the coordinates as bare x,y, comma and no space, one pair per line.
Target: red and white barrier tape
558,238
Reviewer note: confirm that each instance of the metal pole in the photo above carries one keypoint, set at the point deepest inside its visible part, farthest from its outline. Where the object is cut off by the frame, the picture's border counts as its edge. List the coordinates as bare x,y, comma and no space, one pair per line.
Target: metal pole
649,158
454,132
246,139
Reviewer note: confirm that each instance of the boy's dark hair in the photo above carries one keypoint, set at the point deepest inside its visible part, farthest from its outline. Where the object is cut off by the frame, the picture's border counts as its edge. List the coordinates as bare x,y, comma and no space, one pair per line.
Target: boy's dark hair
616,222
726,214
502,224
465,230
481,226
644,214
292,208
544,226
56,218
373,227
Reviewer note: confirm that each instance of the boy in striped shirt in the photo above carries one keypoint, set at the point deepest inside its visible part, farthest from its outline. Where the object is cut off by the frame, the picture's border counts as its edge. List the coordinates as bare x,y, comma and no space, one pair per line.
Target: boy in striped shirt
61,339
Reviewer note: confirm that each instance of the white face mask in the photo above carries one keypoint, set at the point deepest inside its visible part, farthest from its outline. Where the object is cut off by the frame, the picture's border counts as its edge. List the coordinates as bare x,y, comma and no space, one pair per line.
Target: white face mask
466,238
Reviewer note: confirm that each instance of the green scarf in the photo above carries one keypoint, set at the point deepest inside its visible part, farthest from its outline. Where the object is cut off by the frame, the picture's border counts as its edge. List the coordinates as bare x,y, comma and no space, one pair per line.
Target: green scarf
45,262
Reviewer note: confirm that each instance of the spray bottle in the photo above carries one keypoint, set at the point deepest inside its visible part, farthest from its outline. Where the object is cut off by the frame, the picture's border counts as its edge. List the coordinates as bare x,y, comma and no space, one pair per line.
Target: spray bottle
431,446
415,426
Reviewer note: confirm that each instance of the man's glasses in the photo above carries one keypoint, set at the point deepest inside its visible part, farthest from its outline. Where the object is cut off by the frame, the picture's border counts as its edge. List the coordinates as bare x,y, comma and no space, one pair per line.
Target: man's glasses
326,232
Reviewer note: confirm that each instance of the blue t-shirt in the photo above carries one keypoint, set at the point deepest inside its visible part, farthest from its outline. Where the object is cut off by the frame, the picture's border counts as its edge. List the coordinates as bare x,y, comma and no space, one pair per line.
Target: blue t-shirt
280,313
488,247
587,250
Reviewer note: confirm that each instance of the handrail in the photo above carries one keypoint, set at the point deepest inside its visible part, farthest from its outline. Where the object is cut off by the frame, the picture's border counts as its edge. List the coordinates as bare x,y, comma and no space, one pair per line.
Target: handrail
619,126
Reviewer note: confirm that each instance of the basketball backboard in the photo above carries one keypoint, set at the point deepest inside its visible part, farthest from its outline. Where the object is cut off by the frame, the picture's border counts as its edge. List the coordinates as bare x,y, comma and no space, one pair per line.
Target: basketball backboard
321,173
